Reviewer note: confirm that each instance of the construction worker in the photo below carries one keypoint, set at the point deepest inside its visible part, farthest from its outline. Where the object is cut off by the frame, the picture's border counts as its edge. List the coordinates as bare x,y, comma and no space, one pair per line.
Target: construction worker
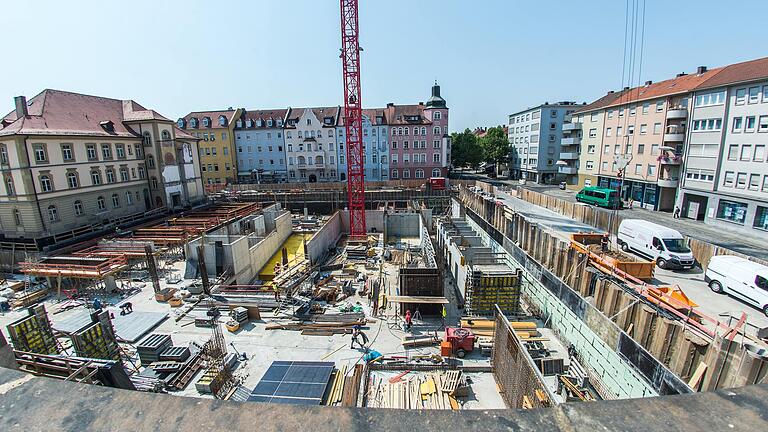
443,314
604,241
408,320
277,293
357,332
97,304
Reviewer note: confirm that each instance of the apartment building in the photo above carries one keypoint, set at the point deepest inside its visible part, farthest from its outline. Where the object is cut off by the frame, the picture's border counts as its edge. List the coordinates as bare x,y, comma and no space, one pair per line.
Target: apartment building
260,143
215,131
310,144
375,146
73,163
535,138
636,139
725,181
420,146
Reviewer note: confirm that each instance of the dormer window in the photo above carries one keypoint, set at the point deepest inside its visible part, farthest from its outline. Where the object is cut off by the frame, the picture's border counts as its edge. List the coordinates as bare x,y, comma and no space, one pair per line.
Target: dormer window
108,126
166,135
270,122
222,120
249,123
206,122
437,115
328,120
280,122
379,120
181,123
259,122
239,123
193,123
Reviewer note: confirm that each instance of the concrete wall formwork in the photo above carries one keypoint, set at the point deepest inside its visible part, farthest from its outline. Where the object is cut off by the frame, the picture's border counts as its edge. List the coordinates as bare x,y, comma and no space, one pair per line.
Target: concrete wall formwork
326,237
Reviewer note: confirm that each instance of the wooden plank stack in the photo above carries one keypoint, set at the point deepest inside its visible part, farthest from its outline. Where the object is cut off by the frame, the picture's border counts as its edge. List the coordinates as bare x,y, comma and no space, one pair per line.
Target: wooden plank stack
433,390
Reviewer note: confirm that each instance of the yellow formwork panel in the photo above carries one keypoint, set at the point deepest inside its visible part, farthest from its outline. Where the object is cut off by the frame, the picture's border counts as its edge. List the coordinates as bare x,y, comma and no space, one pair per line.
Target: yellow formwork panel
295,246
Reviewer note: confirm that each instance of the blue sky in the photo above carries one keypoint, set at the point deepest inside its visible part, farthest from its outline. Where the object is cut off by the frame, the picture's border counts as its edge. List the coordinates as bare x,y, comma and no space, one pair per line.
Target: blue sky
490,57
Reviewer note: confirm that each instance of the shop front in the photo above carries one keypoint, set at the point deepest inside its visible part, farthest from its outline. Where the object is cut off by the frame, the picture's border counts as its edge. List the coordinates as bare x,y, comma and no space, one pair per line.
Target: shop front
643,194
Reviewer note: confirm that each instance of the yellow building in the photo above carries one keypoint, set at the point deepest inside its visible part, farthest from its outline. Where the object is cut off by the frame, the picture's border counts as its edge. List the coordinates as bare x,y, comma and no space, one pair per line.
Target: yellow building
217,143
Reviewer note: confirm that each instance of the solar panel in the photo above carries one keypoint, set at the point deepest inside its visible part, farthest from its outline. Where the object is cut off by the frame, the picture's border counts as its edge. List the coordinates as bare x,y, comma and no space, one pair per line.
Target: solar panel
298,383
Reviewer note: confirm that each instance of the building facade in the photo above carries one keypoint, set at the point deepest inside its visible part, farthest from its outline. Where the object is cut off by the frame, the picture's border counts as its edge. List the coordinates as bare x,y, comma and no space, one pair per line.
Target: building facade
535,138
375,146
725,174
310,144
215,129
260,143
420,146
72,163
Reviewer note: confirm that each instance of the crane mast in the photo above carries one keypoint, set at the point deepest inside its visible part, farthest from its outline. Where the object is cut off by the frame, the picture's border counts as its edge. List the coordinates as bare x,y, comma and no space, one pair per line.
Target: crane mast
353,118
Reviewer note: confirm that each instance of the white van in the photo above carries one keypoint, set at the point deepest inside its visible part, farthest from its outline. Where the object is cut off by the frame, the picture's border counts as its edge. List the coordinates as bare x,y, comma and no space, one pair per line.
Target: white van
739,277
667,246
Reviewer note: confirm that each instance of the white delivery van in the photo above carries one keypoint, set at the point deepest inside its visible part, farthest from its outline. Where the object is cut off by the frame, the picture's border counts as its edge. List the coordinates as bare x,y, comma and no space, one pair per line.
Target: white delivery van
667,246
744,279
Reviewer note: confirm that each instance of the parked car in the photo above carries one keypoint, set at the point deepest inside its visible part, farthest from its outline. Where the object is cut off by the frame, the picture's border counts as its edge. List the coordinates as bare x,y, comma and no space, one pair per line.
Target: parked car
600,197
667,246
739,277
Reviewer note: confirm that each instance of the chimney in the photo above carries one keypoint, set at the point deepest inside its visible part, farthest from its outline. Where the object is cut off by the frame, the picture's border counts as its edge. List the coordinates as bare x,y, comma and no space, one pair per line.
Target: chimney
21,106
649,82
610,91
626,88
701,69
680,74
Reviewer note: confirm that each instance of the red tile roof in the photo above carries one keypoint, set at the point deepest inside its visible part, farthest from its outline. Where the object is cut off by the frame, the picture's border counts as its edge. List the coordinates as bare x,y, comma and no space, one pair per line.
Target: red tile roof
213,115
371,113
320,113
737,73
56,112
396,114
274,114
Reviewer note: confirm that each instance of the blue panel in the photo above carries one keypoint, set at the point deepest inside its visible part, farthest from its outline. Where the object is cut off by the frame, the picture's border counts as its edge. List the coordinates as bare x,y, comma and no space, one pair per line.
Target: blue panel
275,373
301,390
266,388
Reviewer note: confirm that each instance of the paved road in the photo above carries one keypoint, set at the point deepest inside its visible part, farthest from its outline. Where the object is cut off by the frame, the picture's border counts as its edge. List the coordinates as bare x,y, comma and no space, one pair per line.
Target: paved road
691,281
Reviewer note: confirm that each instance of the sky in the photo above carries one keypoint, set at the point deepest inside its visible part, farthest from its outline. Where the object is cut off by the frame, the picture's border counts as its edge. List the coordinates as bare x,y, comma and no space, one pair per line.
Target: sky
491,58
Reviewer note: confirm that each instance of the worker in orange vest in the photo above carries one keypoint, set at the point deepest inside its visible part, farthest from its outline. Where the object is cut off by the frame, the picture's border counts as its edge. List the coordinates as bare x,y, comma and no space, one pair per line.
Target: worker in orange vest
408,320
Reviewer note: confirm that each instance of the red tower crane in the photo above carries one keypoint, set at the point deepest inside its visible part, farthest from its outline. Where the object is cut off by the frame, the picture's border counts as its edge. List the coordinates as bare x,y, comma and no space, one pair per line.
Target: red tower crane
353,118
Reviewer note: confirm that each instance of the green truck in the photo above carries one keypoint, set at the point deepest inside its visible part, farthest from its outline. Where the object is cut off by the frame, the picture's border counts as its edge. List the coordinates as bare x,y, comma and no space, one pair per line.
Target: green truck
600,197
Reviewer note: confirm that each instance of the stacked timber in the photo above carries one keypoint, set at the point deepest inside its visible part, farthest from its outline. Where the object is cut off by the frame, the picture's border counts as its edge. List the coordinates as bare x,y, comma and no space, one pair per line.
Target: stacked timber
483,327
434,390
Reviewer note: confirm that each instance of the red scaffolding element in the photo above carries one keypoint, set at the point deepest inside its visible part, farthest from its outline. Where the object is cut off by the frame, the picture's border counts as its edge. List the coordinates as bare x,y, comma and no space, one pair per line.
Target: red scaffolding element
75,267
353,121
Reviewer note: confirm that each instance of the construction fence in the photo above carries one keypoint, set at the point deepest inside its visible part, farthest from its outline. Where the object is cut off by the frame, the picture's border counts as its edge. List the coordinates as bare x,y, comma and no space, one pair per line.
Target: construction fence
520,382
670,351
369,185
608,221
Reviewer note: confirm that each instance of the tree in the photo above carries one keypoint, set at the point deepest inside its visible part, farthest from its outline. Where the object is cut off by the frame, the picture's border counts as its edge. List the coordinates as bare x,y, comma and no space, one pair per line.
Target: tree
465,150
495,145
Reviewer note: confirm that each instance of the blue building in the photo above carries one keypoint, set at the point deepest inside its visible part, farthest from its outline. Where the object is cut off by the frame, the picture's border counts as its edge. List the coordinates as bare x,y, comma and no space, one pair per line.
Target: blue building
375,146
260,145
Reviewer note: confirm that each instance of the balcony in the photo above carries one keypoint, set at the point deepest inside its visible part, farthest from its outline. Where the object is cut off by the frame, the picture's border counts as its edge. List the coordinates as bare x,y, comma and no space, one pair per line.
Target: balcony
570,127
670,160
677,113
570,141
674,134
569,155
567,170
668,182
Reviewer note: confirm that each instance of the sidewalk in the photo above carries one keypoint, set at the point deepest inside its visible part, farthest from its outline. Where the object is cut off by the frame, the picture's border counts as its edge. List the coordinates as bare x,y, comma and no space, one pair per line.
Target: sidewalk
735,241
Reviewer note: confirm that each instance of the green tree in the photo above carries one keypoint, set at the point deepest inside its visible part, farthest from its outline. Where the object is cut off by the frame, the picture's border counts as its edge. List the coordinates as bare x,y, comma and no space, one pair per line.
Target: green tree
465,150
495,145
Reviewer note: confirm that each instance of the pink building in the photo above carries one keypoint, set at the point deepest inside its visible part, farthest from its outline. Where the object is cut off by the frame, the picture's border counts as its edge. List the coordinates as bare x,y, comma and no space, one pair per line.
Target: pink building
419,140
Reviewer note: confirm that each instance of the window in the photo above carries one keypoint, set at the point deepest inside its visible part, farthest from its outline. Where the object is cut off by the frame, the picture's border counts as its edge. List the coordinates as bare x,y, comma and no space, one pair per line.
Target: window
222,120
714,98
124,174
419,173
608,132
593,133
645,107
765,94
606,149
640,148
632,110
436,144
732,211
737,124
741,96
120,151
154,183
141,172
659,106
610,114
115,200
10,189
95,177
621,112
643,129
206,122
618,130
749,125
213,151
754,181
591,149
729,178
754,95
53,213
66,152
759,153
590,165
40,154
72,180
631,130
746,152
45,183
605,167
733,152
110,175
436,157
639,169
761,222
150,161
651,170
100,203
128,198
78,208
741,180
406,174
707,125
90,151
765,183
762,125
106,151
